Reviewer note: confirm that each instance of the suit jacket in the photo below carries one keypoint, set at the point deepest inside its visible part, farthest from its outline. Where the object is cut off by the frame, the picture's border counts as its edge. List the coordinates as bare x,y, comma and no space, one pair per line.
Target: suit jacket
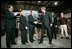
10,20
23,22
46,19
55,21
31,21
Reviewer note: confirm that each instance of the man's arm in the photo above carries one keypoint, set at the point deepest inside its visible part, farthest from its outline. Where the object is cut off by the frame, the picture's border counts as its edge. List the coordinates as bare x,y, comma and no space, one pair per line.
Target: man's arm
9,15
50,18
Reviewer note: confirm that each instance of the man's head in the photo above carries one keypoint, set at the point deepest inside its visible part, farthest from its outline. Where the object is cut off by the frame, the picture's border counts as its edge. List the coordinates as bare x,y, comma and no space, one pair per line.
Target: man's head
43,9
20,10
52,13
10,8
61,15
31,12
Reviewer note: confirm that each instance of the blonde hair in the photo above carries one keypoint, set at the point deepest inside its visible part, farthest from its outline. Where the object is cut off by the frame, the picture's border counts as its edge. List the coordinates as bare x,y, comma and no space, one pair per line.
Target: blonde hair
22,13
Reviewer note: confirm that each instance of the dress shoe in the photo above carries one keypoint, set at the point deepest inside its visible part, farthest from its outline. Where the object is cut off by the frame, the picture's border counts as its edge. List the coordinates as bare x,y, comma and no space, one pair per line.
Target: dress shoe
55,38
61,37
40,42
49,42
67,37
38,39
13,43
44,35
24,43
27,42
33,40
8,46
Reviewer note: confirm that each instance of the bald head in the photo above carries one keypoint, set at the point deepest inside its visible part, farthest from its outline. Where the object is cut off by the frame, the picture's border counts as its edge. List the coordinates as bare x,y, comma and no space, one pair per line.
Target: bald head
62,15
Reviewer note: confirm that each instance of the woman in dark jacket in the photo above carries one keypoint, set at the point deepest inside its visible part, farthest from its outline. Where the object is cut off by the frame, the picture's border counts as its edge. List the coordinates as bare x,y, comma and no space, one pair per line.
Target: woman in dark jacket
23,28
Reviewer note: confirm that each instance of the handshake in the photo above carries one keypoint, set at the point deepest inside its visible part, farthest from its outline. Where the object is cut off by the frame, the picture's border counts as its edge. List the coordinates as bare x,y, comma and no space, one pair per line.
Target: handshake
15,14
35,22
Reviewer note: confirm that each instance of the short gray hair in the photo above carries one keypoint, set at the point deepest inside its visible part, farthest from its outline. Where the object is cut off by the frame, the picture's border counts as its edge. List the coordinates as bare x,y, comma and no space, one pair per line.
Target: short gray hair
43,8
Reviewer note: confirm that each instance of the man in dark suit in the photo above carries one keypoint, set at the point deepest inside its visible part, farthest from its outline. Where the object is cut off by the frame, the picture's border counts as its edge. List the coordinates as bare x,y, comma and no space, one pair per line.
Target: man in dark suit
46,23
31,27
54,26
10,26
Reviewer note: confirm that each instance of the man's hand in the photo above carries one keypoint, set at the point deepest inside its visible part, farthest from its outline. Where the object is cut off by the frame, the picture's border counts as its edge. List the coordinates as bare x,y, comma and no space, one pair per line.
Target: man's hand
16,13
51,24
26,27
56,26
39,23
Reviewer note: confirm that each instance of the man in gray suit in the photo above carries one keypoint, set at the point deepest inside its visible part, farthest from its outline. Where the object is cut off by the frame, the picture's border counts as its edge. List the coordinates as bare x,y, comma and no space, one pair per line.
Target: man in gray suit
31,27
46,23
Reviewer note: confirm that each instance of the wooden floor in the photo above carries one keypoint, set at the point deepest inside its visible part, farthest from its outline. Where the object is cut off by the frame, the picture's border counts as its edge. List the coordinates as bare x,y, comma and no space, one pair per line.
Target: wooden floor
58,43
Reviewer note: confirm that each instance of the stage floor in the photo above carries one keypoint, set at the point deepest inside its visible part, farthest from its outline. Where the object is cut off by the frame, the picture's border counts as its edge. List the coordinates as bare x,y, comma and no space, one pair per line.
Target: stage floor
56,43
